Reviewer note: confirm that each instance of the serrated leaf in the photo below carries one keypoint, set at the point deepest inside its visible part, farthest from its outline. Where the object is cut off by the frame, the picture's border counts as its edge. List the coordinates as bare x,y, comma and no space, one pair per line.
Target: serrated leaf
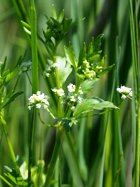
95,46
88,85
89,105
107,69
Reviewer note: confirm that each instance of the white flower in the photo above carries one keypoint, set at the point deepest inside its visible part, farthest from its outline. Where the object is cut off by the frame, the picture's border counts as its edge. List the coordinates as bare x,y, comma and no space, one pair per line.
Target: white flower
71,88
24,171
72,98
80,99
59,92
73,122
125,91
39,100
80,92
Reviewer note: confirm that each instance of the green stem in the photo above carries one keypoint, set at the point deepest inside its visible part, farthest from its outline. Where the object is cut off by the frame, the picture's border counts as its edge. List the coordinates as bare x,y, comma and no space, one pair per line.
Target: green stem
53,161
73,164
20,9
2,178
34,46
7,138
137,157
136,102
30,145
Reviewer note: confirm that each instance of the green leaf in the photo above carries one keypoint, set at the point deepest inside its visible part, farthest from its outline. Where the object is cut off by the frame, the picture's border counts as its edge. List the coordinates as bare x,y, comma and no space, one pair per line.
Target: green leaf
6,181
11,97
54,14
70,56
14,176
11,74
95,46
106,70
82,55
64,69
88,85
89,105
61,16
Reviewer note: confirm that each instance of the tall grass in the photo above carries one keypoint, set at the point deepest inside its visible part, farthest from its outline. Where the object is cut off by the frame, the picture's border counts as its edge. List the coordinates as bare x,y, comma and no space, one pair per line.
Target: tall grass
103,149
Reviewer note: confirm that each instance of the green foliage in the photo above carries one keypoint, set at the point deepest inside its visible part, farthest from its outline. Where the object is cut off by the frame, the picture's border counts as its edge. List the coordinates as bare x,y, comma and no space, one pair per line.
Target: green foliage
89,105
14,177
57,28
74,134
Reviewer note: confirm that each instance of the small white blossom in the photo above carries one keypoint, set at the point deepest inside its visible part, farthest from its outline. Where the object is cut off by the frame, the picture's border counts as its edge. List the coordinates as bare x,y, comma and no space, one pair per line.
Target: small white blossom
80,92
123,96
73,108
71,88
39,100
72,98
59,92
73,122
125,91
80,99
24,171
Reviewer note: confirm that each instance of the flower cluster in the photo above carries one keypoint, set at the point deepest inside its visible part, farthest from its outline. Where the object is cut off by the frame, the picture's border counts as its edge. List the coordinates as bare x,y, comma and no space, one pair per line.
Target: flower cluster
125,91
39,100
73,122
60,92
88,71
73,96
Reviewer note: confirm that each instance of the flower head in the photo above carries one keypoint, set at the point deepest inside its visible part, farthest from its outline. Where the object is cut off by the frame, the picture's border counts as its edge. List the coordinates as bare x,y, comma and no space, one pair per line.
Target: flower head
125,91
73,96
88,70
71,87
59,92
39,100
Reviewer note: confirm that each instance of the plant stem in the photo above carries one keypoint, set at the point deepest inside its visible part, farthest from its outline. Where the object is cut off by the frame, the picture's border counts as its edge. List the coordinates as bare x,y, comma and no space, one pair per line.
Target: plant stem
34,46
2,178
30,145
53,160
136,101
7,138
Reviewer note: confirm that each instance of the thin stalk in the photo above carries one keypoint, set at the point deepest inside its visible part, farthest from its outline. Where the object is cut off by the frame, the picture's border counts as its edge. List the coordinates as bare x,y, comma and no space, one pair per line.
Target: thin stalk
136,103
20,9
59,102
72,160
52,164
30,145
42,60
7,138
2,178
34,46
35,82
